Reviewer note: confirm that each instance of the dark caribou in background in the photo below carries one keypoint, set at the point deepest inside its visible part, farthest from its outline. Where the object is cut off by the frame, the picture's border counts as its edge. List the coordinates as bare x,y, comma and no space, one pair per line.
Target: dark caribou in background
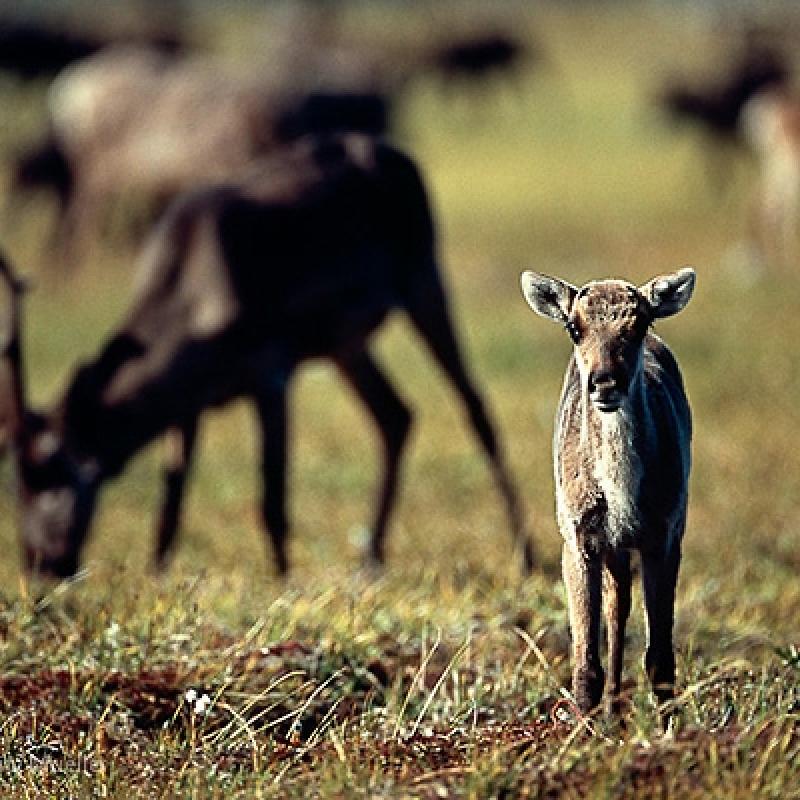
36,48
238,285
715,107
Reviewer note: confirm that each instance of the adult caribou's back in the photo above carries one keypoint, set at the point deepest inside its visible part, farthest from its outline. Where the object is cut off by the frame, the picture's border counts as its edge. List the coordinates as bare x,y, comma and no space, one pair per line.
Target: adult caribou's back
238,285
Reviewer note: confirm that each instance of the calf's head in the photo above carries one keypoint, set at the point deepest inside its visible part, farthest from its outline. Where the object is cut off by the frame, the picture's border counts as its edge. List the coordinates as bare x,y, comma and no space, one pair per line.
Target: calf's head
607,322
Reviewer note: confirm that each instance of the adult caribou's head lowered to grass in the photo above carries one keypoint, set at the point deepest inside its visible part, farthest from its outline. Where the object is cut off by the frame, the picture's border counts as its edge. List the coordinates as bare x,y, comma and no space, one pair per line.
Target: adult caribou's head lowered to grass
238,285
621,453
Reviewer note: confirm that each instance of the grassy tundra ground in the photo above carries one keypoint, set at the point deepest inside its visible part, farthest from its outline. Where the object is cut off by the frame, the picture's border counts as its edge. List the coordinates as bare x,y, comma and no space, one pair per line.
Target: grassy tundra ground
442,678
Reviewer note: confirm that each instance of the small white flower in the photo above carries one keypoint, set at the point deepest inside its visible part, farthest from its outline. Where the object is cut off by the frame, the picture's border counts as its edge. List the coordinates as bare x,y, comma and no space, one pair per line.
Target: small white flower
190,696
201,704
562,715
112,631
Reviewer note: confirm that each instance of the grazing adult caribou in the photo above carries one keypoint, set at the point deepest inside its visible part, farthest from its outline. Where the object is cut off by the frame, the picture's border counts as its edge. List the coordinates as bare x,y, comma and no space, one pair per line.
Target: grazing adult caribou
238,285
131,121
621,457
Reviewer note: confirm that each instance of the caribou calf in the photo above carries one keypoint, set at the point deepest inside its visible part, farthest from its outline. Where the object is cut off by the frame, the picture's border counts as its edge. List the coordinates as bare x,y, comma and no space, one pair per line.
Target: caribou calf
621,458
238,285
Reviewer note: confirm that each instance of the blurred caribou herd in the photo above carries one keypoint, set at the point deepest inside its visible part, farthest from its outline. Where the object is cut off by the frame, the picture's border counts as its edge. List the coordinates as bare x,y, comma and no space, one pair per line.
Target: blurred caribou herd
137,109
137,106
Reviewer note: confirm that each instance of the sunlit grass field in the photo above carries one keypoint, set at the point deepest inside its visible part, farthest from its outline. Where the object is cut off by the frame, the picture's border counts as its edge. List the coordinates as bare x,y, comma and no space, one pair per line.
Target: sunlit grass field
440,678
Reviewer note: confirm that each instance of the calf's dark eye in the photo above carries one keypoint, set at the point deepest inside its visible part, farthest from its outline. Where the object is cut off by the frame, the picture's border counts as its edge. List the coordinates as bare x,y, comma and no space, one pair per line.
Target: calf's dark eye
572,330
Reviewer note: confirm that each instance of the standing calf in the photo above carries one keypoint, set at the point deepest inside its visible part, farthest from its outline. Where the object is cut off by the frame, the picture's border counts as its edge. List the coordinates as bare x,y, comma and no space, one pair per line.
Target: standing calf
621,458
240,284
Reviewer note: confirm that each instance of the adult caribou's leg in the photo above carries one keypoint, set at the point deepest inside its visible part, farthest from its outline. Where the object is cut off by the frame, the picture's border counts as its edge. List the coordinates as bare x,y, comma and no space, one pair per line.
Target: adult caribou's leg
180,446
394,421
427,306
79,221
271,404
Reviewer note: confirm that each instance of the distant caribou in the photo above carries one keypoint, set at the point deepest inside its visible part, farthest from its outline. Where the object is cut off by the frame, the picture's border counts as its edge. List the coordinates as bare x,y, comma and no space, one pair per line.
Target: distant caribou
239,284
32,48
770,123
715,106
478,56
129,120
622,456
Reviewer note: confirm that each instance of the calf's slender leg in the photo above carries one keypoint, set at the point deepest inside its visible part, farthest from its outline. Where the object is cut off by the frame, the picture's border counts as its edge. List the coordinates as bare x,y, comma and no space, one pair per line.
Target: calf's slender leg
660,577
583,578
617,608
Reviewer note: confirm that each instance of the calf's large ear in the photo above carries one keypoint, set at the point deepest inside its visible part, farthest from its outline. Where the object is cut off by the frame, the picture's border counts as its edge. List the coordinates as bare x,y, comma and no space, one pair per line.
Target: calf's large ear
549,297
668,294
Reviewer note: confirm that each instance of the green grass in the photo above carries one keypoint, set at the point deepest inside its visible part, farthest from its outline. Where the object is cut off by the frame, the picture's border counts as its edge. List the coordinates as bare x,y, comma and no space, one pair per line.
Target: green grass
445,676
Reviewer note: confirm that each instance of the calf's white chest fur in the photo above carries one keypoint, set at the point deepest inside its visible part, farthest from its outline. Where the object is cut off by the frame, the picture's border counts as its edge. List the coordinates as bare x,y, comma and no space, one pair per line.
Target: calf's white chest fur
618,472
613,470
